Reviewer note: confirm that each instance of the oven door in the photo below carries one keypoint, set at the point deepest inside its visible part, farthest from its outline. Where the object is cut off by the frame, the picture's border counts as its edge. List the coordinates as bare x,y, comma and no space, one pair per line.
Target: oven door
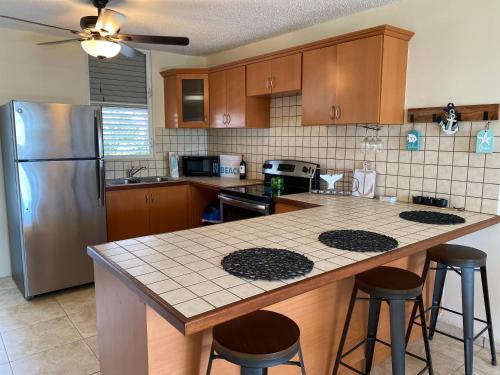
233,209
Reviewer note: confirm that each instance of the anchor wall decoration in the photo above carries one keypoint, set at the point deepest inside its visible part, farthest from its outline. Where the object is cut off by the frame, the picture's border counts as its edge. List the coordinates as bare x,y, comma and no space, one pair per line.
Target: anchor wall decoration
449,124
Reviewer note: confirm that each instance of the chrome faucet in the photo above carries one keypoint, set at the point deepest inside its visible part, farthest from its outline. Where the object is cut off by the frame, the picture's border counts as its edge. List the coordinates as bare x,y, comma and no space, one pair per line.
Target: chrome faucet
133,171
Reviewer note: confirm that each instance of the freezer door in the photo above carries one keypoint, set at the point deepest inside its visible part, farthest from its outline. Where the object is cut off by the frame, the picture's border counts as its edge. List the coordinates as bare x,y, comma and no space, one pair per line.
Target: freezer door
57,131
62,212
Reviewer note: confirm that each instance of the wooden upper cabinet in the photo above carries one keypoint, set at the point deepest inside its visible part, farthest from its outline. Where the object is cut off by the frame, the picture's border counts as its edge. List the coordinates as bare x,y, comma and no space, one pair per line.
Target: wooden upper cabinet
169,209
229,105
319,82
186,97
218,108
281,75
356,82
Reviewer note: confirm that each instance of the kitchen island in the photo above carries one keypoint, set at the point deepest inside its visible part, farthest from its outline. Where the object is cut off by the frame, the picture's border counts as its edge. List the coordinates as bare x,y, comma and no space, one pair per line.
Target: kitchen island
159,296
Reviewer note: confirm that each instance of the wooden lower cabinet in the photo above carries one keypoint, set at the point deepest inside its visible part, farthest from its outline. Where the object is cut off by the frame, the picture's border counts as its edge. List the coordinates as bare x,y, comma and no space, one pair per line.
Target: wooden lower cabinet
283,207
168,209
140,212
127,213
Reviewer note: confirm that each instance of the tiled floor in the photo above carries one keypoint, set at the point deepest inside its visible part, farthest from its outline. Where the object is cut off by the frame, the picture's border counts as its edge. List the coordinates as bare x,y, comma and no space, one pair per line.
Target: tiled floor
56,335
50,335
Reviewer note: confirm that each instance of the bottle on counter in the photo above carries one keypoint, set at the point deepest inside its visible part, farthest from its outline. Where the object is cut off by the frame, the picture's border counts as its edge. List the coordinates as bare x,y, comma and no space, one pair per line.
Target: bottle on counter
243,168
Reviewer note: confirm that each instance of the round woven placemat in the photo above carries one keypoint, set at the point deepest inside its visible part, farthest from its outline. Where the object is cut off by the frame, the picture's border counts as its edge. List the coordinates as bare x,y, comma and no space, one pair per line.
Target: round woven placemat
358,240
431,217
262,263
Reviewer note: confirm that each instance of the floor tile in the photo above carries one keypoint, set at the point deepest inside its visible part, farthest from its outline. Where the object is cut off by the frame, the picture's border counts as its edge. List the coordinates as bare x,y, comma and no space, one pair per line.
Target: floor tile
85,320
7,283
93,344
26,314
72,299
72,359
11,297
5,369
39,337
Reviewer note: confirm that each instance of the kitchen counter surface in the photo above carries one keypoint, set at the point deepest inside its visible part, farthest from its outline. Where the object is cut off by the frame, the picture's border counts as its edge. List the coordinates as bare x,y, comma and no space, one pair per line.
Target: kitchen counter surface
208,182
179,274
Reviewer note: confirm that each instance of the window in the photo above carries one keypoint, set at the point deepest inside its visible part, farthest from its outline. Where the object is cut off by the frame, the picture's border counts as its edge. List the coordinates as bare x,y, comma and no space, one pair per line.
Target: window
120,86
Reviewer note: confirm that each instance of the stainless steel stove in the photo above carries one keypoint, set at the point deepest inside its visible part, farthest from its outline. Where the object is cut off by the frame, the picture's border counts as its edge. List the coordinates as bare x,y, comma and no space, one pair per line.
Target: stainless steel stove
244,202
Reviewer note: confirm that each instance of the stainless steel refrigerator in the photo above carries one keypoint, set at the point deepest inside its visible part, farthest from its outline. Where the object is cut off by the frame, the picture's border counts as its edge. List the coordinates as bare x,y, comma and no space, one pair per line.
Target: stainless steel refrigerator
54,182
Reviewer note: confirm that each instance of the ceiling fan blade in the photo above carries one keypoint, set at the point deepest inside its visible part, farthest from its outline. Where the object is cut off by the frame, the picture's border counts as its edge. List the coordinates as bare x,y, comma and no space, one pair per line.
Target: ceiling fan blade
109,22
128,51
39,24
153,39
60,42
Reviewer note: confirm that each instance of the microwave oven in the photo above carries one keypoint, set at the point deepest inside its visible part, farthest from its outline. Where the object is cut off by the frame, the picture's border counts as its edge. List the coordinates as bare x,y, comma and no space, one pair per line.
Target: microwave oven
200,165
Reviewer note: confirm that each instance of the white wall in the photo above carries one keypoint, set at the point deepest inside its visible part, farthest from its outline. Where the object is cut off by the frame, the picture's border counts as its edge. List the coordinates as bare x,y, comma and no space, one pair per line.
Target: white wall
59,74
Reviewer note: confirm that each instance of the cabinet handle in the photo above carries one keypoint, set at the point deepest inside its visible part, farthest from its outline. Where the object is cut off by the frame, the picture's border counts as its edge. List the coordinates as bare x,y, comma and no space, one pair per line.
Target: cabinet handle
338,112
272,82
332,109
228,118
152,198
147,198
224,121
268,82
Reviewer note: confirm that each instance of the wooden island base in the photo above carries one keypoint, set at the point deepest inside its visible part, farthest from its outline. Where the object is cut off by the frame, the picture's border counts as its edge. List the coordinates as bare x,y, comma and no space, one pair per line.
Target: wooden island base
134,339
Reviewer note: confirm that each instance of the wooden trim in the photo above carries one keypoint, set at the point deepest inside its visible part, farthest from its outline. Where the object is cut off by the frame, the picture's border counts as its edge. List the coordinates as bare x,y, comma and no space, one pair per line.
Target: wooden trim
211,318
466,113
388,30
146,185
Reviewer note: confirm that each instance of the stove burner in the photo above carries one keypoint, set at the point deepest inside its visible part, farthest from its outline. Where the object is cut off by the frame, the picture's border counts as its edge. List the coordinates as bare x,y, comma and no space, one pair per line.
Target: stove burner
358,240
431,217
266,264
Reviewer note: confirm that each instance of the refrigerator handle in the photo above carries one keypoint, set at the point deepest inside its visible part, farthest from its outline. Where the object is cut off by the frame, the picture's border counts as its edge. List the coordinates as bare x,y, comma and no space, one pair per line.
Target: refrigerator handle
99,151
101,184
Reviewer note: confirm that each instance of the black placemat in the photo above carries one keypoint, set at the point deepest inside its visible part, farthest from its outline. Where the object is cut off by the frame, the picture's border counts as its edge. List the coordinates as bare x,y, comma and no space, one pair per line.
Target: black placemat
358,240
262,263
431,217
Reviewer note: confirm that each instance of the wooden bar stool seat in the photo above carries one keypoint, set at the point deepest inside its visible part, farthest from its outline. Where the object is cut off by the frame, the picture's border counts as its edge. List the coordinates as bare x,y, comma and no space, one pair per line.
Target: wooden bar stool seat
257,341
464,261
396,287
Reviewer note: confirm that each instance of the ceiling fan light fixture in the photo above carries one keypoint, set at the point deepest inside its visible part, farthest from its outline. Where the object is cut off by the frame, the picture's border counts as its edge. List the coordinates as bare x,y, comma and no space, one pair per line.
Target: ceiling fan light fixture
101,49
109,22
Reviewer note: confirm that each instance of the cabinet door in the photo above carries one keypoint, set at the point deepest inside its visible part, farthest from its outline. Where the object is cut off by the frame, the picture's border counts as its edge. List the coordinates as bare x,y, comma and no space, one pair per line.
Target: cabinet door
127,213
168,208
258,76
193,100
319,78
218,107
286,74
359,81
236,97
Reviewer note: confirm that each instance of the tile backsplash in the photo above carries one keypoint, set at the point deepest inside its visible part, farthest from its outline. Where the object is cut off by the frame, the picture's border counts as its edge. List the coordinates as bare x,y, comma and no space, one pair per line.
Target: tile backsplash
182,141
446,167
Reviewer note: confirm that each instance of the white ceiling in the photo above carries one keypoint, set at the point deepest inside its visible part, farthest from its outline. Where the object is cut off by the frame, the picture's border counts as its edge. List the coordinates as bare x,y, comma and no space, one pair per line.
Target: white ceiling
211,25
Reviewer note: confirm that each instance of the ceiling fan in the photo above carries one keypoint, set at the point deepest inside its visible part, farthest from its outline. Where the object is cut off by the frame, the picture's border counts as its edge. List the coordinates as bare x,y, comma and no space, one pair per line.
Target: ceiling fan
100,35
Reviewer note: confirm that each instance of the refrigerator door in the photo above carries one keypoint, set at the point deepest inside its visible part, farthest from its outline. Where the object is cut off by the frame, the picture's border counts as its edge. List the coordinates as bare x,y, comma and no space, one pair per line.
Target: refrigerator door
63,211
56,131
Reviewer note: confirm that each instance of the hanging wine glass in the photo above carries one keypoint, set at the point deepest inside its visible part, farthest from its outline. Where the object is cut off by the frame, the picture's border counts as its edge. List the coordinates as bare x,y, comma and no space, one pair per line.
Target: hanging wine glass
372,144
365,141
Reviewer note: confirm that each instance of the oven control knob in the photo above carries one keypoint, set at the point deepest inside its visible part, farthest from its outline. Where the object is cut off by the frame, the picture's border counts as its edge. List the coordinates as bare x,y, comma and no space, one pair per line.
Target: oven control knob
267,166
305,170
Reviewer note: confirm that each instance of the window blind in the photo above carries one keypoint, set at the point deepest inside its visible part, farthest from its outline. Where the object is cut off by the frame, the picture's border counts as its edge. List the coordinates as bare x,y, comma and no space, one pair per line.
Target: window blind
125,131
118,80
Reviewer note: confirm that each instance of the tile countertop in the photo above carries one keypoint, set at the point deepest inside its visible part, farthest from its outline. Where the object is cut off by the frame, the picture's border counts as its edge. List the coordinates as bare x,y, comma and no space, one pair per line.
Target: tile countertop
179,274
209,182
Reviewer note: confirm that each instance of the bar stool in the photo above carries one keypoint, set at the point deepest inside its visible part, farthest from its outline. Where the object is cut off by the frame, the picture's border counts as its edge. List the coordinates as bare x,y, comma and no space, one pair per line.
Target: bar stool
257,341
395,286
464,261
